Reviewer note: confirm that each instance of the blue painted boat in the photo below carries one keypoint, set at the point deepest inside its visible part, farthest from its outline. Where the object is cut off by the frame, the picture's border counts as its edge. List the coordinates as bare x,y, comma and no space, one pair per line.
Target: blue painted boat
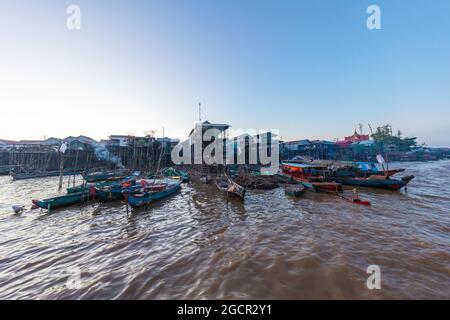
382,182
366,169
153,193
110,191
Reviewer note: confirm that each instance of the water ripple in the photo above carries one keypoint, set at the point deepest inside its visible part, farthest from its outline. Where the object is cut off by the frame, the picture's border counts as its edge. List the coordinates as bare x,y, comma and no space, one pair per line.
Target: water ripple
196,245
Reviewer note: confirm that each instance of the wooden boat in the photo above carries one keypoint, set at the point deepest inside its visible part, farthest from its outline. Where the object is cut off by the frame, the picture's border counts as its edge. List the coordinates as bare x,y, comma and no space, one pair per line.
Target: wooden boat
87,186
284,178
375,181
311,176
111,191
294,190
63,201
226,184
107,194
114,192
80,188
103,176
321,186
175,173
153,193
366,169
222,184
42,174
105,191
98,185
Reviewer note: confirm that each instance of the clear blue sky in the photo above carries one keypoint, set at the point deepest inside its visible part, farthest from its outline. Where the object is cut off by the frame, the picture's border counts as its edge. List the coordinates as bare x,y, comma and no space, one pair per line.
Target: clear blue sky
311,69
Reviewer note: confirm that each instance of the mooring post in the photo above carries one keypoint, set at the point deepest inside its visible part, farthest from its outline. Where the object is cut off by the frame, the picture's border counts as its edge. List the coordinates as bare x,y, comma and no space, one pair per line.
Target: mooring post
126,203
61,171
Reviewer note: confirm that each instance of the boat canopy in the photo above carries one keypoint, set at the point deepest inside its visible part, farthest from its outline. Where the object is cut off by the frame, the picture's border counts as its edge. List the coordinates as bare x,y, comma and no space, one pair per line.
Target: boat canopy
368,166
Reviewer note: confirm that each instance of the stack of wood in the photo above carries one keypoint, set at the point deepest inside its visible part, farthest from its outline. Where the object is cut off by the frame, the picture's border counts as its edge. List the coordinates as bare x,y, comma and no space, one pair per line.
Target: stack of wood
257,182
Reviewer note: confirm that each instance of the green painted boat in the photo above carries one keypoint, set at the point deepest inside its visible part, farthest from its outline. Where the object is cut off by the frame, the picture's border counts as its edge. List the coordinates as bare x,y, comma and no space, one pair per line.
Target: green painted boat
106,176
87,187
63,201
82,188
104,195
174,173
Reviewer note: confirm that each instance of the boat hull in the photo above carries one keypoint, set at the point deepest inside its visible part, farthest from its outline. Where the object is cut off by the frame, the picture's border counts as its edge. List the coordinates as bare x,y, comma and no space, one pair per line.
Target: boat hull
144,199
26,176
388,184
63,201
182,175
322,186
108,196
110,176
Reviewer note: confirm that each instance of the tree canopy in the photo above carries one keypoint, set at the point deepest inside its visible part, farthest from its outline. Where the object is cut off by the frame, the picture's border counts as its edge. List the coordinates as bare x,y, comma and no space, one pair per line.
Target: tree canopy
385,135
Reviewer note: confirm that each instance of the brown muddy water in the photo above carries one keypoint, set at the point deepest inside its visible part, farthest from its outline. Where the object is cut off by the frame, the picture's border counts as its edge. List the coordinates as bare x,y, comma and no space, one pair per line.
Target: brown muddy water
194,246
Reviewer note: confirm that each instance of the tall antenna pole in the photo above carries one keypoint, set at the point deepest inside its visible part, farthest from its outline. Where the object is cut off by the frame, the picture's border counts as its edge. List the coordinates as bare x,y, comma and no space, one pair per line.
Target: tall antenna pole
200,112
371,131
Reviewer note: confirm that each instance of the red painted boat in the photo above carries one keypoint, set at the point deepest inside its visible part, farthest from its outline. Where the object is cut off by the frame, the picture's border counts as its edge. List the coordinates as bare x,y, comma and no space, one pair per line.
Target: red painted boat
311,176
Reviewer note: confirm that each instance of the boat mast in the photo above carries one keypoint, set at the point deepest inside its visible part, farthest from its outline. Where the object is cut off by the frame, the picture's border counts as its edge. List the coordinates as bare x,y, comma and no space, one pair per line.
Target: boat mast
161,153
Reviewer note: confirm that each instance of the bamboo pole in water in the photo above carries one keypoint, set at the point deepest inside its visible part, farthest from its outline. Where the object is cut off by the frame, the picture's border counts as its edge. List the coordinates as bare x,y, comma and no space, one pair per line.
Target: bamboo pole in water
61,171
75,169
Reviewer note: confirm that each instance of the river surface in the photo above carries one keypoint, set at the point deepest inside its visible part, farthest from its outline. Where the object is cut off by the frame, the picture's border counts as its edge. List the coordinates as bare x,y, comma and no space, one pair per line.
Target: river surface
195,246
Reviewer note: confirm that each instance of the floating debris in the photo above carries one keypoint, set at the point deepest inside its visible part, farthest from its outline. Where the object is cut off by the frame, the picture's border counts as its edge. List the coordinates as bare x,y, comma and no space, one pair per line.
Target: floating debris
18,208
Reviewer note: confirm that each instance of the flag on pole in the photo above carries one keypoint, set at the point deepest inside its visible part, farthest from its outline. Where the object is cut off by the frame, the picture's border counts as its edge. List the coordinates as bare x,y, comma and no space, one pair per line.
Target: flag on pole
380,159
63,148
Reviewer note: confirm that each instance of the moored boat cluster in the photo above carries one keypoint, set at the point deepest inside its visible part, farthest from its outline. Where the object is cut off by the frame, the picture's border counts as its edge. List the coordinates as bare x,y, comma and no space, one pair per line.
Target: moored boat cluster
140,190
136,189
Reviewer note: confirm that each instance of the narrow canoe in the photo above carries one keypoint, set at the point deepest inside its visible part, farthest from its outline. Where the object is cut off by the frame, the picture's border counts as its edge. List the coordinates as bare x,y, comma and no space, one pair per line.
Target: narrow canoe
114,191
44,174
76,189
172,172
162,191
386,183
226,184
321,186
222,184
87,187
103,176
63,201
